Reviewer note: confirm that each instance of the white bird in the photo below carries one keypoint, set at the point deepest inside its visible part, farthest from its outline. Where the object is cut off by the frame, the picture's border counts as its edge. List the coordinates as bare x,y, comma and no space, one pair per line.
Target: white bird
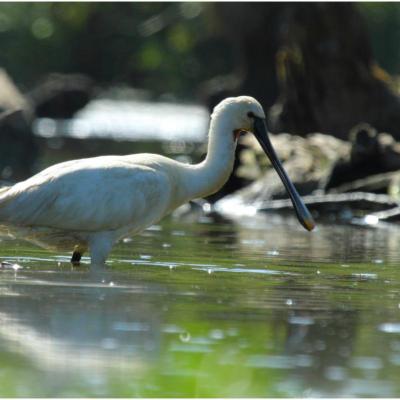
93,202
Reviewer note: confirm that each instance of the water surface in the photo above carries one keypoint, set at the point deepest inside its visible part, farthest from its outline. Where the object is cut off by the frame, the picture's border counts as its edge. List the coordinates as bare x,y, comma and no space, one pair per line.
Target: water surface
207,309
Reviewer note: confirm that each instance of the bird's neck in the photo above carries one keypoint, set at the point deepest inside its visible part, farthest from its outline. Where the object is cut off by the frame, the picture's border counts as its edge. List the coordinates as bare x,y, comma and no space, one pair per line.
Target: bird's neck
211,174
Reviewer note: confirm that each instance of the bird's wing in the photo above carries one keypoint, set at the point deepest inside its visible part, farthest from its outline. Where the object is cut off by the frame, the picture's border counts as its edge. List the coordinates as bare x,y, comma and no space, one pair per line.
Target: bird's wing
89,198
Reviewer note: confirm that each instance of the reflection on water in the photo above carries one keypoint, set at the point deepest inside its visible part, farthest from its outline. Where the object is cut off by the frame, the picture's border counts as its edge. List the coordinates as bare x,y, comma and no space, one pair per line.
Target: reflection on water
206,309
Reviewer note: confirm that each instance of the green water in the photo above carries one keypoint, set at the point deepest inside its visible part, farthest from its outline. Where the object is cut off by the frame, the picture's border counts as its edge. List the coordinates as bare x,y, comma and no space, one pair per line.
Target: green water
207,309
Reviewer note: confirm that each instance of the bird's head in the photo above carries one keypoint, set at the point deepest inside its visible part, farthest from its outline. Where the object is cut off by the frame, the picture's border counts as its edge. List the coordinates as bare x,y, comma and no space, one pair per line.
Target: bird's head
245,114
239,113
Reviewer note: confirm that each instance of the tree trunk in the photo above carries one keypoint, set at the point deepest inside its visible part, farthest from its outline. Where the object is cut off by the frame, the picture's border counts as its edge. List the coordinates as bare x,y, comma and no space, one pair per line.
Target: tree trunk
314,63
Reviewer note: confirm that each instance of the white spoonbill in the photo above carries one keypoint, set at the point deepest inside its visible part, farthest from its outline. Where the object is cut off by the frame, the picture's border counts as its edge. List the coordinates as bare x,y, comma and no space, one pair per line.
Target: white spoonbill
93,202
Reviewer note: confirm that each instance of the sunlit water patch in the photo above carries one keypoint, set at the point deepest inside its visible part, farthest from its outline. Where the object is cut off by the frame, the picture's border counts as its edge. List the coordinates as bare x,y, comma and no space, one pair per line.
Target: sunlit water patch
206,309
130,120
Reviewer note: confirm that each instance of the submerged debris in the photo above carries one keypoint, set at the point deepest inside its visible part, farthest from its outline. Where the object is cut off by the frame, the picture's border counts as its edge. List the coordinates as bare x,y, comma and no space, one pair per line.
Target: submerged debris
6,265
346,180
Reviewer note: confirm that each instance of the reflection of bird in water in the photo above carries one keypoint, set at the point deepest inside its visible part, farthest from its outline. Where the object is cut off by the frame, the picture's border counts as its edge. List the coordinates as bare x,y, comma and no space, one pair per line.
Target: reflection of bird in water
95,201
113,340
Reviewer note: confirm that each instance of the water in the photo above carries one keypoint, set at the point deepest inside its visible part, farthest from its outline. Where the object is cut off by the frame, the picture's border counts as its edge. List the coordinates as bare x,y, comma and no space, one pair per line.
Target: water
207,309
130,120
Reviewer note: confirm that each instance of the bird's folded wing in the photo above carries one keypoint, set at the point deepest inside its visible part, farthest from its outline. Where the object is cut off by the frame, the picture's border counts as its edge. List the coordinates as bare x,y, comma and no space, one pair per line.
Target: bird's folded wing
87,200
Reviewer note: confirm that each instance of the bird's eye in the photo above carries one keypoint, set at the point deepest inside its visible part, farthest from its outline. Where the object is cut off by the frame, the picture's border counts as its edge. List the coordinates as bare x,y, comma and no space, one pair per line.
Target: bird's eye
250,114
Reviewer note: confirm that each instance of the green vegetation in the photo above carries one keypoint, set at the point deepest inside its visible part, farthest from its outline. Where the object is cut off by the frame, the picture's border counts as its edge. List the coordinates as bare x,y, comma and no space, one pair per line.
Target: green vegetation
164,47
167,48
383,24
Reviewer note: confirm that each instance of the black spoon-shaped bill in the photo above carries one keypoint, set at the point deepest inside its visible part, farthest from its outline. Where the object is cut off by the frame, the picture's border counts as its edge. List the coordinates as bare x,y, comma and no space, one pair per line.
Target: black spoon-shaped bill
261,134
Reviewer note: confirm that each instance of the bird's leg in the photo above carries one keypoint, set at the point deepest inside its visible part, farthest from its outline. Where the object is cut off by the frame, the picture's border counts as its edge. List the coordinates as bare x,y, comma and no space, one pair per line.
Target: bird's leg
76,258
100,245
79,249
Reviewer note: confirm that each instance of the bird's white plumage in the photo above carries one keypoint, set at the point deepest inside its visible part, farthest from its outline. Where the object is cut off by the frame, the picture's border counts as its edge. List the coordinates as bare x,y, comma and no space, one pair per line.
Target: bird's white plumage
95,201
95,194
